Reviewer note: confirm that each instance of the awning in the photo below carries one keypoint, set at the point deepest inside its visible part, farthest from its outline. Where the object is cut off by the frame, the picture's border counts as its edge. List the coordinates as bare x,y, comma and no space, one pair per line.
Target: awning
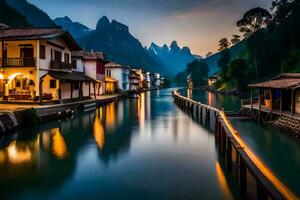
70,76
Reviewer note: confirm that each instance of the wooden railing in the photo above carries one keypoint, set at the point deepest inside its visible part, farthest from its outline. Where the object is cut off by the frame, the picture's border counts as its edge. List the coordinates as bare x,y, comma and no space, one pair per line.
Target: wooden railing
229,143
55,64
18,62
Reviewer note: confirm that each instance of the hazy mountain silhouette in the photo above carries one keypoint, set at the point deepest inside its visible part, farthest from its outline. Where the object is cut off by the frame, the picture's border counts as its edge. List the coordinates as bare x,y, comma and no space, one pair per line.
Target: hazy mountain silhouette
35,16
174,57
77,29
119,45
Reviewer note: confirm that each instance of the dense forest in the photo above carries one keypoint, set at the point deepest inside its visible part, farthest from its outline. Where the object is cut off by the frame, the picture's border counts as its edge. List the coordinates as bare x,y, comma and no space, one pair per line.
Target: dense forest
272,46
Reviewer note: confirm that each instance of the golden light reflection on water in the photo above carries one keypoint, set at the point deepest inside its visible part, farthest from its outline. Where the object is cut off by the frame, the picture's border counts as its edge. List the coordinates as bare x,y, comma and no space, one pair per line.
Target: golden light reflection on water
98,130
222,181
59,146
110,115
141,109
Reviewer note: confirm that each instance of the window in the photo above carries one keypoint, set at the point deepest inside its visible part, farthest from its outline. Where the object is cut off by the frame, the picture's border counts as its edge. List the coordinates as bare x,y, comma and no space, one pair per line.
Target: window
76,85
74,64
42,52
67,58
53,84
57,56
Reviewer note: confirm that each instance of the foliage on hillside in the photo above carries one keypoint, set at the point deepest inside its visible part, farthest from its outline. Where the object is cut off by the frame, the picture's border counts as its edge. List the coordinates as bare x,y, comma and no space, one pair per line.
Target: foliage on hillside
271,49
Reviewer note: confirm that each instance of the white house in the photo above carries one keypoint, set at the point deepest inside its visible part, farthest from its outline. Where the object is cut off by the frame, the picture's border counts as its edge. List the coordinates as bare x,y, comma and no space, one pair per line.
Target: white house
93,65
36,65
119,73
136,79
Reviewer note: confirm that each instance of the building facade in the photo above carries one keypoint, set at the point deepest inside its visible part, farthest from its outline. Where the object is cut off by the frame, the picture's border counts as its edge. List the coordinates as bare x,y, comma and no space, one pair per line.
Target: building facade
35,65
119,73
136,79
93,65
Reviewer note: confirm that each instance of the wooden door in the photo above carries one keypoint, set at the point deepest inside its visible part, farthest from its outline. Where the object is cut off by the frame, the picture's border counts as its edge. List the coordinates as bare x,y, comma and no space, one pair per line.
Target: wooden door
297,102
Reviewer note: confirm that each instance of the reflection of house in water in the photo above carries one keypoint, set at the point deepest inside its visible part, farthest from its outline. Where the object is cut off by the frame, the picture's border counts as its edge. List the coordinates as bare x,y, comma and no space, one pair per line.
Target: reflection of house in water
98,130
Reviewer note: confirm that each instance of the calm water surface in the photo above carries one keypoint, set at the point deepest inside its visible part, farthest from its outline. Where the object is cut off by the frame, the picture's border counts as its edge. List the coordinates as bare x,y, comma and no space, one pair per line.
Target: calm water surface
275,147
145,148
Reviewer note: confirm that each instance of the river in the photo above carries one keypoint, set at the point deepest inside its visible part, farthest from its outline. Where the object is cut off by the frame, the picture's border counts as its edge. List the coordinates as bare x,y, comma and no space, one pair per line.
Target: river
277,148
131,149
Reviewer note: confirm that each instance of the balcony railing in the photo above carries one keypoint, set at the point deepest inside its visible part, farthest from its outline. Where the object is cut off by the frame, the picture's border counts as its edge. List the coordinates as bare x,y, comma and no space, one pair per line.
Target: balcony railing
18,62
61,65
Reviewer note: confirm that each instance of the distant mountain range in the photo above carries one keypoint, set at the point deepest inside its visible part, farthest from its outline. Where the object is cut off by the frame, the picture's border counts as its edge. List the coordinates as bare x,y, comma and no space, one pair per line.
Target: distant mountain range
174,57
113,38
77,29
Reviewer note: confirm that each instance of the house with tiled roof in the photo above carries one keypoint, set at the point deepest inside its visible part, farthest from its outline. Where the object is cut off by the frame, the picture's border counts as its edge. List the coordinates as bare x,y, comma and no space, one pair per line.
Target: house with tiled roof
35,65
120,73
93,64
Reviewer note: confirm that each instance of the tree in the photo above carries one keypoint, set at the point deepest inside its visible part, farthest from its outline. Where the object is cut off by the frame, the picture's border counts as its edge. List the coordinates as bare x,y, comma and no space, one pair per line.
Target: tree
224,62
252,22
237,71
235,39
199,70
283,9
224,44
208,54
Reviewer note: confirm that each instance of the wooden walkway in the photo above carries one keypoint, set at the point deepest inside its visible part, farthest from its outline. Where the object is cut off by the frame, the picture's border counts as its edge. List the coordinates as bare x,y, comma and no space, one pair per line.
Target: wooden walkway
274,111
235,152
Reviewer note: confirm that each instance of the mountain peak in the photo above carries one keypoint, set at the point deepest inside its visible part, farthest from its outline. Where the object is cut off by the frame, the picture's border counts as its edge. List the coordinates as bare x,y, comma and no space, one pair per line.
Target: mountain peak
67,19
103,23
119,26
174,47
186,50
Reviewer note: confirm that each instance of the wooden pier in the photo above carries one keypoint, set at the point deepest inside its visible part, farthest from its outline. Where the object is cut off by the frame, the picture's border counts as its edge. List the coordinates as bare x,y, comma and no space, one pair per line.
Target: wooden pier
251,172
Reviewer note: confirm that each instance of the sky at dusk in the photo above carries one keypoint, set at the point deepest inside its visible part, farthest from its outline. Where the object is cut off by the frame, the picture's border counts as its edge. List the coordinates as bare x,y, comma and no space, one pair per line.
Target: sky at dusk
198,24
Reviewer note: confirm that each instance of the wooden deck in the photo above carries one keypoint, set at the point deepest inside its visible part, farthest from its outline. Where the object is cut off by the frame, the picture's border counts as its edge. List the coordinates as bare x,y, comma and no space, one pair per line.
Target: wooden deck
274,111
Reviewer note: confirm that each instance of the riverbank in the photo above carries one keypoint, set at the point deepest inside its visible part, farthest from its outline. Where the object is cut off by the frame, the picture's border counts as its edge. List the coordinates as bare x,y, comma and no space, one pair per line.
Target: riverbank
21,115
244,159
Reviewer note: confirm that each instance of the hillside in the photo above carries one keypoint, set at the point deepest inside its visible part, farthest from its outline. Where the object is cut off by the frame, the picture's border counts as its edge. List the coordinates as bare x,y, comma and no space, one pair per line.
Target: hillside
11,16
35,16
119,45
212,61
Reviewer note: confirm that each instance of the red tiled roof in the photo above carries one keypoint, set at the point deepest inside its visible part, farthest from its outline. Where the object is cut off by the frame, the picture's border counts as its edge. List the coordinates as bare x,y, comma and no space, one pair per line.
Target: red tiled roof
113,64
30,33
279,83
89,55
38,33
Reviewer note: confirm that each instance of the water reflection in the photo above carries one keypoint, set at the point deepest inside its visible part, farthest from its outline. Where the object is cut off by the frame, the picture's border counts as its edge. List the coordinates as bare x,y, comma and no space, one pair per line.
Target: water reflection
98,129
131,148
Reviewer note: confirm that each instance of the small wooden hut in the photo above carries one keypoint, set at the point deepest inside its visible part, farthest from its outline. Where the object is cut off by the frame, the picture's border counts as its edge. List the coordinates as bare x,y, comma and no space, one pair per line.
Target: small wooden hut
279,95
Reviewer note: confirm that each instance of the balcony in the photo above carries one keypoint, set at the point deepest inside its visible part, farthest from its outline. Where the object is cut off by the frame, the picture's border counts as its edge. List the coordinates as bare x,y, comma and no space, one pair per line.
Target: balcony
18,62
55,64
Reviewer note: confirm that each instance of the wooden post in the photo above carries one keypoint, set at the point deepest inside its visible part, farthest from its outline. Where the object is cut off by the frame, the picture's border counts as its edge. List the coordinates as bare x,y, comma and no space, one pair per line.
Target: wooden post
59,91
95,95
292,102
2,52
41,90
72,90
261,192
280,101
251,99
229,154
89,89
242,177
259,104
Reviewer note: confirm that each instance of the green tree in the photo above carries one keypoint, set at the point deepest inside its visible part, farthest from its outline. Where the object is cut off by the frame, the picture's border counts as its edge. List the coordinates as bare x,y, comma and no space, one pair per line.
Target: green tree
235,39
208,54
199,70
223,44
238,71
224,62
252,22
